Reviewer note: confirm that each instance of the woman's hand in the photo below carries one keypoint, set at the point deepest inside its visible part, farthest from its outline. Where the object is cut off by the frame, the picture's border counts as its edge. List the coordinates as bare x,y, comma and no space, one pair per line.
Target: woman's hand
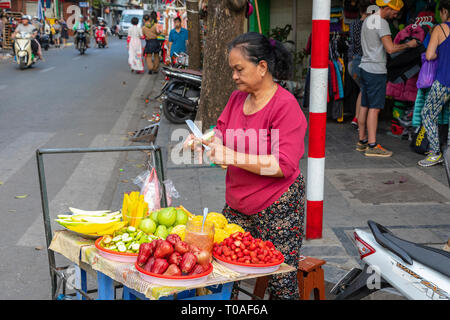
219,154
195,145
192,143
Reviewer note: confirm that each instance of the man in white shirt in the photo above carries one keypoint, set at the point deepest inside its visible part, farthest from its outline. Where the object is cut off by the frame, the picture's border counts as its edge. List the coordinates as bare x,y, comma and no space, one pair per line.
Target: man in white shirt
376,41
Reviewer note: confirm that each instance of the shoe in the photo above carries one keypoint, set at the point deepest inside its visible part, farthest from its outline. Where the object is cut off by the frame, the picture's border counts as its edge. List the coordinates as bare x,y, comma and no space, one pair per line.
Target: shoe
431,160
150,72
361,146
355,122
377,151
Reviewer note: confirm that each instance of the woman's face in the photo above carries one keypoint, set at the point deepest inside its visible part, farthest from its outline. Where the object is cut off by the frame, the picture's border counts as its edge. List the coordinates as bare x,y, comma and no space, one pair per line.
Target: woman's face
444,15
247,75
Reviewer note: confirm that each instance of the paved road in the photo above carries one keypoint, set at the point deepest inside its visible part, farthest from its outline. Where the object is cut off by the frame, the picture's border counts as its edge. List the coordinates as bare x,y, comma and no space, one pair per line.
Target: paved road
66,101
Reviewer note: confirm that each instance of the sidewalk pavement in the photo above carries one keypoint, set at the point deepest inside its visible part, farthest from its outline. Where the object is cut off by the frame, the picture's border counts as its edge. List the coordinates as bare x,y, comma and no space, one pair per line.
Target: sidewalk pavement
411,201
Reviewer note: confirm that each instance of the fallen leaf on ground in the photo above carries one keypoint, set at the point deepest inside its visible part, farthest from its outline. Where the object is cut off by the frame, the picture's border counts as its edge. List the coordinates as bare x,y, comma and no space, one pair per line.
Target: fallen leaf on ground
389,182
38,248
124,181
402,180
12,211
1,182
139,165
21,197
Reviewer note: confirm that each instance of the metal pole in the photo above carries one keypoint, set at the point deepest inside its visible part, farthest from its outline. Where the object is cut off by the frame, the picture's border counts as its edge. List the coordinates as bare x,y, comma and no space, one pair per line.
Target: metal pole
317,118
47,225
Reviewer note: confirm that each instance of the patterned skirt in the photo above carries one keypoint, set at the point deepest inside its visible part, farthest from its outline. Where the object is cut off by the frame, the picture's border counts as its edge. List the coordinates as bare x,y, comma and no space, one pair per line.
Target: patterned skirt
281,223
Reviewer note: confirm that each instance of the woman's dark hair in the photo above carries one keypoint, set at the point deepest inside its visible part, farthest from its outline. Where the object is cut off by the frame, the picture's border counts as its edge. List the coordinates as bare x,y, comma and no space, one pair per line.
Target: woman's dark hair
257,47
134,21
444,4
146,17
153,17
363,5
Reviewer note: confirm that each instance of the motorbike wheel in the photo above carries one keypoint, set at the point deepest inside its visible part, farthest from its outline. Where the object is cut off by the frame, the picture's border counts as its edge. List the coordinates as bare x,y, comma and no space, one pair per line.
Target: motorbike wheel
46,47
120,37
176,114
22,63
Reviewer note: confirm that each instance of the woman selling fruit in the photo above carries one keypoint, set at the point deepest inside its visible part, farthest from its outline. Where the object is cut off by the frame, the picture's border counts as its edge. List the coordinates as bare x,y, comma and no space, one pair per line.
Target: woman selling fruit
260,138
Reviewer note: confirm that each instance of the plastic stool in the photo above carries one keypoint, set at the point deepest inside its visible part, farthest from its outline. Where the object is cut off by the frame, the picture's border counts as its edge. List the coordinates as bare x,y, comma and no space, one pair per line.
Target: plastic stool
310,277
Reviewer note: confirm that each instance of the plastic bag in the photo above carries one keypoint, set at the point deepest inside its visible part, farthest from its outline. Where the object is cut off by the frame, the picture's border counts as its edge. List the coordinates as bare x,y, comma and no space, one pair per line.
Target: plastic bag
151,189
427,73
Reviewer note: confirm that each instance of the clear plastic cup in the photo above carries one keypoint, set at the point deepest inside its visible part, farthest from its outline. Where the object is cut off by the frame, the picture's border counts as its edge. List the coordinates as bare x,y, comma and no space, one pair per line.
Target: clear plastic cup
203,239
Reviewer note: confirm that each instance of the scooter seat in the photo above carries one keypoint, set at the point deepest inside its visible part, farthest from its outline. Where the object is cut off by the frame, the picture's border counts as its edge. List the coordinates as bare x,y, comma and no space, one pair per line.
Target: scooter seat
436,259
194,72
188,71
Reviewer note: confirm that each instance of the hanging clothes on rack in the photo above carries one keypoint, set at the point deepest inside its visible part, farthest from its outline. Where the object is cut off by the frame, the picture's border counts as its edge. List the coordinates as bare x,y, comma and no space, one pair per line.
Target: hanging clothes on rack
403,67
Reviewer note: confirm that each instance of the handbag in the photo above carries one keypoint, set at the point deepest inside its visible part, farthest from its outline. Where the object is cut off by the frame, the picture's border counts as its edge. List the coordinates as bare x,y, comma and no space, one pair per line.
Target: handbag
427,73
420,143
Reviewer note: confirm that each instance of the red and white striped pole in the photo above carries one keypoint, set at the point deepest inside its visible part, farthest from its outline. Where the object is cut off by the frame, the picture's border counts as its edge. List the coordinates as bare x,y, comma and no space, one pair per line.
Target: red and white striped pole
317,118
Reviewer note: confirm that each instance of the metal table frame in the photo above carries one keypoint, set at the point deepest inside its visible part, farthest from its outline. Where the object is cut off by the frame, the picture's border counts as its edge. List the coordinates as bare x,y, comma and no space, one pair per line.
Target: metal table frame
56,272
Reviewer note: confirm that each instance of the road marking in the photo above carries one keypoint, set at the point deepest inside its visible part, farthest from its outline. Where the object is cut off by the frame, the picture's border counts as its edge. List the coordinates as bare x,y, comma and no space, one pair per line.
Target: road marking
3,86
85,187
48,69
77,58
16,154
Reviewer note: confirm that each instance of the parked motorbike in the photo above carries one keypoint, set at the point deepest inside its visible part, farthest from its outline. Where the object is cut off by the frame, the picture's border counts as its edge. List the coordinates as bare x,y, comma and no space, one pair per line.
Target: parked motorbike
181,94
80,39
100,36
22,48
180,60
418,272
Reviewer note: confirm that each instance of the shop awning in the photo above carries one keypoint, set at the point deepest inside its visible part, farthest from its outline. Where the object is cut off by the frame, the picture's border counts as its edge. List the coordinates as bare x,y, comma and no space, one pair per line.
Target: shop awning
5,4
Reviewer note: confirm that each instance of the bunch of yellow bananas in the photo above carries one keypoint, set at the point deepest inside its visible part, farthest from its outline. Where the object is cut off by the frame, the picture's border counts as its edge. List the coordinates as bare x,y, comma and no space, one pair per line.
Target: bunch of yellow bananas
94,223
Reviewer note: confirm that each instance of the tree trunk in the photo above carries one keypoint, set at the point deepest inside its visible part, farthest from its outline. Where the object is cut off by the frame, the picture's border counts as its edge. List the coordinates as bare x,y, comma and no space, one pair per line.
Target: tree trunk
194,34
217,83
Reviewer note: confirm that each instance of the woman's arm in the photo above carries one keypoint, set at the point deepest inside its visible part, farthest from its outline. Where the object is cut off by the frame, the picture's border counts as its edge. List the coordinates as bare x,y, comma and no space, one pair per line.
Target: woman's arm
264,165
433,44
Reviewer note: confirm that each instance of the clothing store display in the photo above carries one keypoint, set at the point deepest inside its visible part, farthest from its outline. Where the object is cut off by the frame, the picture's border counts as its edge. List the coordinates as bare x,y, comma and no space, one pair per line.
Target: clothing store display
404,66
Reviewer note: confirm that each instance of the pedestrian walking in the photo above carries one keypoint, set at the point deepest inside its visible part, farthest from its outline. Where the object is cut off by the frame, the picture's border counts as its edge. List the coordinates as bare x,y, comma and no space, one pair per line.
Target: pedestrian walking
57,36
178,39
152,44
134,43
64,32
438,48
376,41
